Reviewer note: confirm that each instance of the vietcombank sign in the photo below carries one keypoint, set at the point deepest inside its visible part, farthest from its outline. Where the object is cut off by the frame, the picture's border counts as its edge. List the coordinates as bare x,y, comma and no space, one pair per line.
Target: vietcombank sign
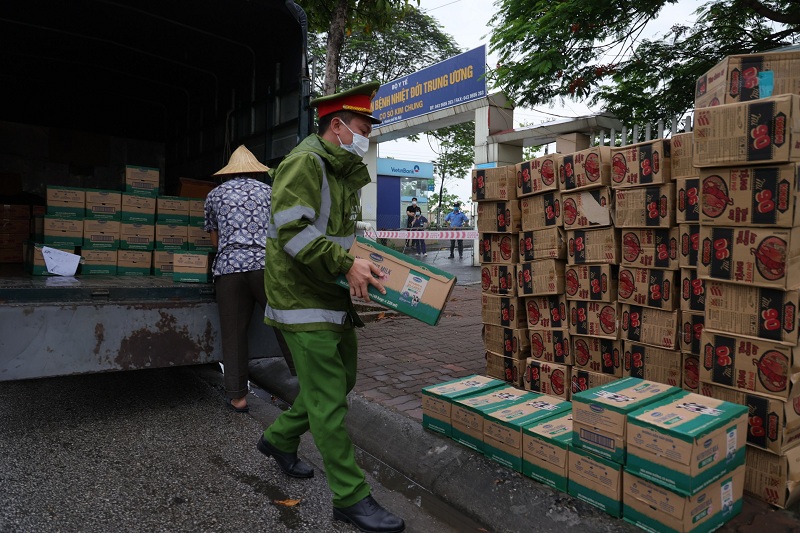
454,81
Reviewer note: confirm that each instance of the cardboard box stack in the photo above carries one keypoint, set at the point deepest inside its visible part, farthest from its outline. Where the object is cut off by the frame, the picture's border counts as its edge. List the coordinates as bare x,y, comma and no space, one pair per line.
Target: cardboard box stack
506,340
15,229
748,258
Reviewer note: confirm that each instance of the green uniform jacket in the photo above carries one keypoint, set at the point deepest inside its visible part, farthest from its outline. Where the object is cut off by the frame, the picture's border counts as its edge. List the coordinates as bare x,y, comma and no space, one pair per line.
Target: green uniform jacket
315,206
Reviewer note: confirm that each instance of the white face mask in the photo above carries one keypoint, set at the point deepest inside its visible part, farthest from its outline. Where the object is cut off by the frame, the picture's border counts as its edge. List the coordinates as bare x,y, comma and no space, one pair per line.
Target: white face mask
359,146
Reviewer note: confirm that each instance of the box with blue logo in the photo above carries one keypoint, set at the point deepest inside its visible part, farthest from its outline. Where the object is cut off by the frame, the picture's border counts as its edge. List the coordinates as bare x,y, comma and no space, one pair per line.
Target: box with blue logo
687,441
413,287
437,400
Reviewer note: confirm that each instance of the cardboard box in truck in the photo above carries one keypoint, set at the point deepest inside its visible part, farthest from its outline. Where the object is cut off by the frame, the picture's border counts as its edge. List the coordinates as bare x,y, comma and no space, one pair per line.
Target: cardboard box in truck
541,211
134,263
66,202
648,287
545,450
600,415
143,181
497,183
98,262
649,326
138,209
764,195
135,236
588,209
682,164
764,257
593,246
750,364
585,169
687,200
172,236
687,441
538,175
597,283
651,248
103,205
101,233
172,210
163,261
192,267
772,424
499,217
547,243
437,400
498,248
769,314
551,346
645,163
761,131
645,207
597,355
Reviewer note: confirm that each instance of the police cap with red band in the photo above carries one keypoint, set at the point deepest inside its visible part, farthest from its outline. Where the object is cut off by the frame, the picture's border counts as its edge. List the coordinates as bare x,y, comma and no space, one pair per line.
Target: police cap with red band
356,100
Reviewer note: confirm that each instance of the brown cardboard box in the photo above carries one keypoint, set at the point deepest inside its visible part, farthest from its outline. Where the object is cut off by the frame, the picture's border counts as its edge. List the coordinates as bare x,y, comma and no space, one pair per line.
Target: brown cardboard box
551,346
772,424
539,278
141,180
774,479
135,236
34,259
597,355
547,312
494,183
595,480
583,380
101,233
648,287
538,175
506,341
686,441
192,266
750,364
764,257
645,163
649,326
693,291
588,209
761,131
765,195
101,204
191,188
437,400
498,248
15,211
645,207
499,217
66,202
688,200
585,169
138,209
172,236
593,246
600,319
547,378
752,311
200,239
508,369
63,232
682,164
600,415
545,243
545,450
499,279
651,363
652,507
690,373
163,263
172,210
505,311
467,413
541,211
652,248
134,263
502,428
736,78
412,287
689,245
691,331
597,283
101,262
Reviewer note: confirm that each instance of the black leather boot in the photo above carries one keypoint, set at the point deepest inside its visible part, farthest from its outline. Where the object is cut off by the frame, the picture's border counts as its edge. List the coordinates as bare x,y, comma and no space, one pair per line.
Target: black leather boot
289,462
368,516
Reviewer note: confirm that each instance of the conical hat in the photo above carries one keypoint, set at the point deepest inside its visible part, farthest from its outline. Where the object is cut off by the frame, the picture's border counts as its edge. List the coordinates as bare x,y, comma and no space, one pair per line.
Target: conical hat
242,161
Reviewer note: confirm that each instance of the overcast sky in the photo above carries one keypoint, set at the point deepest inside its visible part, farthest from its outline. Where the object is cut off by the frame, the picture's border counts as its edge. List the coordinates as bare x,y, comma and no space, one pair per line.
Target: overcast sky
468,22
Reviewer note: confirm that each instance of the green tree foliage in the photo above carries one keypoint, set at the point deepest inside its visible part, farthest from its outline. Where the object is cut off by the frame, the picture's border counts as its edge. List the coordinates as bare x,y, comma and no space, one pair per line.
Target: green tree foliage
340,18
454,158
599,50
414,41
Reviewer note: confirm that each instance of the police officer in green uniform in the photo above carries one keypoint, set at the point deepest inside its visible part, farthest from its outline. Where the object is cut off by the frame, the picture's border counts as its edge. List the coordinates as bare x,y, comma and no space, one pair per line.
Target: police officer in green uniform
315,206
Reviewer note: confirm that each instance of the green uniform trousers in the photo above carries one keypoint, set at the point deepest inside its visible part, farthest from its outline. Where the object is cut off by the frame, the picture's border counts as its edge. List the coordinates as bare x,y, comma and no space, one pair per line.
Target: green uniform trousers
327,364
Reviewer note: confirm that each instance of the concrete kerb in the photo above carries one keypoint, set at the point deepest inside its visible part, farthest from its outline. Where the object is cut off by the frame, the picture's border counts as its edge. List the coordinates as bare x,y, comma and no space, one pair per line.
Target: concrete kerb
499,498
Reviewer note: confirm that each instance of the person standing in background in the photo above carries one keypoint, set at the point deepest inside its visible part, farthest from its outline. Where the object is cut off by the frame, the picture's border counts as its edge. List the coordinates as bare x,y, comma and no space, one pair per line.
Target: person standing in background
410,211
314,212
420,223
237,215
456,219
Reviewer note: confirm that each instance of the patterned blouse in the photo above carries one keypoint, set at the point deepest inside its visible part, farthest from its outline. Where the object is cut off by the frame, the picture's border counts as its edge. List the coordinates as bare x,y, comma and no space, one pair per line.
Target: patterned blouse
239,211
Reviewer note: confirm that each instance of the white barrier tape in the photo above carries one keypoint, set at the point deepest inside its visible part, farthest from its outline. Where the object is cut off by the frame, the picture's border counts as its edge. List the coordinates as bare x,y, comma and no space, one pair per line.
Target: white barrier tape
424,235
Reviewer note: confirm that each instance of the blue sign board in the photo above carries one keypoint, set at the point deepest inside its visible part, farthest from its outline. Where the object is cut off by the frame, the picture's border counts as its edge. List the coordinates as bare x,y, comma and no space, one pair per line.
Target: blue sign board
404,169
452,82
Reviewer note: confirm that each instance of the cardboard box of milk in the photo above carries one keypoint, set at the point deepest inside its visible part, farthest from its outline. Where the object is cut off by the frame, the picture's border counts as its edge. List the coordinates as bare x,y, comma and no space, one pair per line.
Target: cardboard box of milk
437,399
